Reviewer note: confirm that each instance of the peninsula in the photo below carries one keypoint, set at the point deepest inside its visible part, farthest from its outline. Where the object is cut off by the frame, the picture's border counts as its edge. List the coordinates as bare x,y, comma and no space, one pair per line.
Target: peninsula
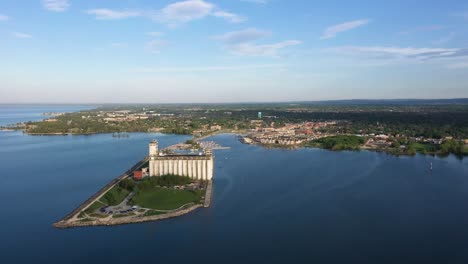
164,184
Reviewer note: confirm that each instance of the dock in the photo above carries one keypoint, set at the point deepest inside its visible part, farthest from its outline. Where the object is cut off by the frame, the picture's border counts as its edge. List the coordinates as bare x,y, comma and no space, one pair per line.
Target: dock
211,145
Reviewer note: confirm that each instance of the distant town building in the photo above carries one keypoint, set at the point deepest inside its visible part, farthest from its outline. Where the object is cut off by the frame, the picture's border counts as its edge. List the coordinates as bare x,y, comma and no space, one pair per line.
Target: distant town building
259,114
215,127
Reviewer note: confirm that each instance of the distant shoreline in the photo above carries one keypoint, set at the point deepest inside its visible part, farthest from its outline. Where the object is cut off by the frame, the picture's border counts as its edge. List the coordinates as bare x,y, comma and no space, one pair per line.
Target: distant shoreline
454,100
240,133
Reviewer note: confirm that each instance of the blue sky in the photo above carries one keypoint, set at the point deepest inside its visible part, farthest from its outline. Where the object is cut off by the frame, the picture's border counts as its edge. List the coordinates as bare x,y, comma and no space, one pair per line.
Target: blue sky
142,51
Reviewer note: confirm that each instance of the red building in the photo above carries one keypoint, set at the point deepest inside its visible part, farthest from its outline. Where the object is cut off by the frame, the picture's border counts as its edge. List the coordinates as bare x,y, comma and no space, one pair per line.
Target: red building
137,175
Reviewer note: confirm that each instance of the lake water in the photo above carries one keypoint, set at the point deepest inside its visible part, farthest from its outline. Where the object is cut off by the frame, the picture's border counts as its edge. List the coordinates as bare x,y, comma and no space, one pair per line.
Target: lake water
10,114
269,206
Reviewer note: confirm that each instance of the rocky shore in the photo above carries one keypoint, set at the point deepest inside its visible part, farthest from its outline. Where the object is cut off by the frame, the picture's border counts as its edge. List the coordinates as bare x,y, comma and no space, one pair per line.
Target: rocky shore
125,220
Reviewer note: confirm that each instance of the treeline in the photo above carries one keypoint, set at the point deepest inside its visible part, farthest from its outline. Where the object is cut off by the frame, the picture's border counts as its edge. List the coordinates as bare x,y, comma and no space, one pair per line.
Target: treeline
409,147
148,183
164,180
341,142
74,123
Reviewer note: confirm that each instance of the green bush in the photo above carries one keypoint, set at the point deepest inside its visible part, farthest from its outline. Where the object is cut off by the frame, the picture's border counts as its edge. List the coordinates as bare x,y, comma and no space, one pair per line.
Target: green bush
127,184
164,180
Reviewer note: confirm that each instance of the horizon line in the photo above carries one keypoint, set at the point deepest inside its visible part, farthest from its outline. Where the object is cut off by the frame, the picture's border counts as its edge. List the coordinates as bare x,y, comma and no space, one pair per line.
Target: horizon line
236,102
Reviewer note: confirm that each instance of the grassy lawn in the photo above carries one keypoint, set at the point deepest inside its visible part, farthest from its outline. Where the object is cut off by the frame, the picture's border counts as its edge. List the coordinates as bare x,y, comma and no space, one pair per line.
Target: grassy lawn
425,147
150,213
96,205
98,215
166,199
115,195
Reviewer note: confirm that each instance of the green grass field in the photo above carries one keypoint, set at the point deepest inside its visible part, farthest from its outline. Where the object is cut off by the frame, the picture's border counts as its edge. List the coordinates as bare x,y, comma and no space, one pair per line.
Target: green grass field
151,212
166,199
425,147
94,207
114,196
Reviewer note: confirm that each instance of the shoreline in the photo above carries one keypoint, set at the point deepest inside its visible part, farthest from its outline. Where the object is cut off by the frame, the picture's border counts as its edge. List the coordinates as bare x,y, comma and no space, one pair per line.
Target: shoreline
240,133
361,148
126,220
65,223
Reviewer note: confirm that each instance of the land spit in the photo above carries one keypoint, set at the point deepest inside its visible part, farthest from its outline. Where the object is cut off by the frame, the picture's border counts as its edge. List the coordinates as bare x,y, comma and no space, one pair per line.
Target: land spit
101,192
71,220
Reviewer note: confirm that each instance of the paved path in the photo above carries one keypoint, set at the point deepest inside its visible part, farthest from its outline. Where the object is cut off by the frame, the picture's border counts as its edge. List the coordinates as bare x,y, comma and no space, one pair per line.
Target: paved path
209,190
123,206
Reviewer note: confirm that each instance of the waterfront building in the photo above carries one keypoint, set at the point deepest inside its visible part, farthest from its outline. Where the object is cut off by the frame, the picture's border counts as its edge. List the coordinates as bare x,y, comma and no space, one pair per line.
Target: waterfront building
197,166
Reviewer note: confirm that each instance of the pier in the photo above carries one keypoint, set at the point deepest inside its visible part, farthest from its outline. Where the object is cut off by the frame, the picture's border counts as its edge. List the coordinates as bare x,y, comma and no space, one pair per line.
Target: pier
100,193
209,192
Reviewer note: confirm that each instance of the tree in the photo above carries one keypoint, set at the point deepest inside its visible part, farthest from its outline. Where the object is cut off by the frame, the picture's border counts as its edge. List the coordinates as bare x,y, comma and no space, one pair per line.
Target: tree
127,184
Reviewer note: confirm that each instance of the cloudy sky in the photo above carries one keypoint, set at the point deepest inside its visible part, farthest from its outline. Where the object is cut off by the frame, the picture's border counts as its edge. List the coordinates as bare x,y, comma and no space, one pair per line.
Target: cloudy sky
146,51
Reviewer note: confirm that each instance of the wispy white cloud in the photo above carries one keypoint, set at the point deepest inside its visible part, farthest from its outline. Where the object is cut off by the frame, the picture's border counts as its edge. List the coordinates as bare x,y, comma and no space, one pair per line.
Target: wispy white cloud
21,35
459,65
4,17
243,43
182,12
173,14
56,5
189,10
109,14
155,46
332,31
251,49
246,35
154,34
230,17
206,68
398,52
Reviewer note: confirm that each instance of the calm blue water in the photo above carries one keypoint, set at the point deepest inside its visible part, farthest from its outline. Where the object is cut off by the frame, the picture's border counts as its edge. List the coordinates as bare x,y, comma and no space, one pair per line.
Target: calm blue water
11,114
269,206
